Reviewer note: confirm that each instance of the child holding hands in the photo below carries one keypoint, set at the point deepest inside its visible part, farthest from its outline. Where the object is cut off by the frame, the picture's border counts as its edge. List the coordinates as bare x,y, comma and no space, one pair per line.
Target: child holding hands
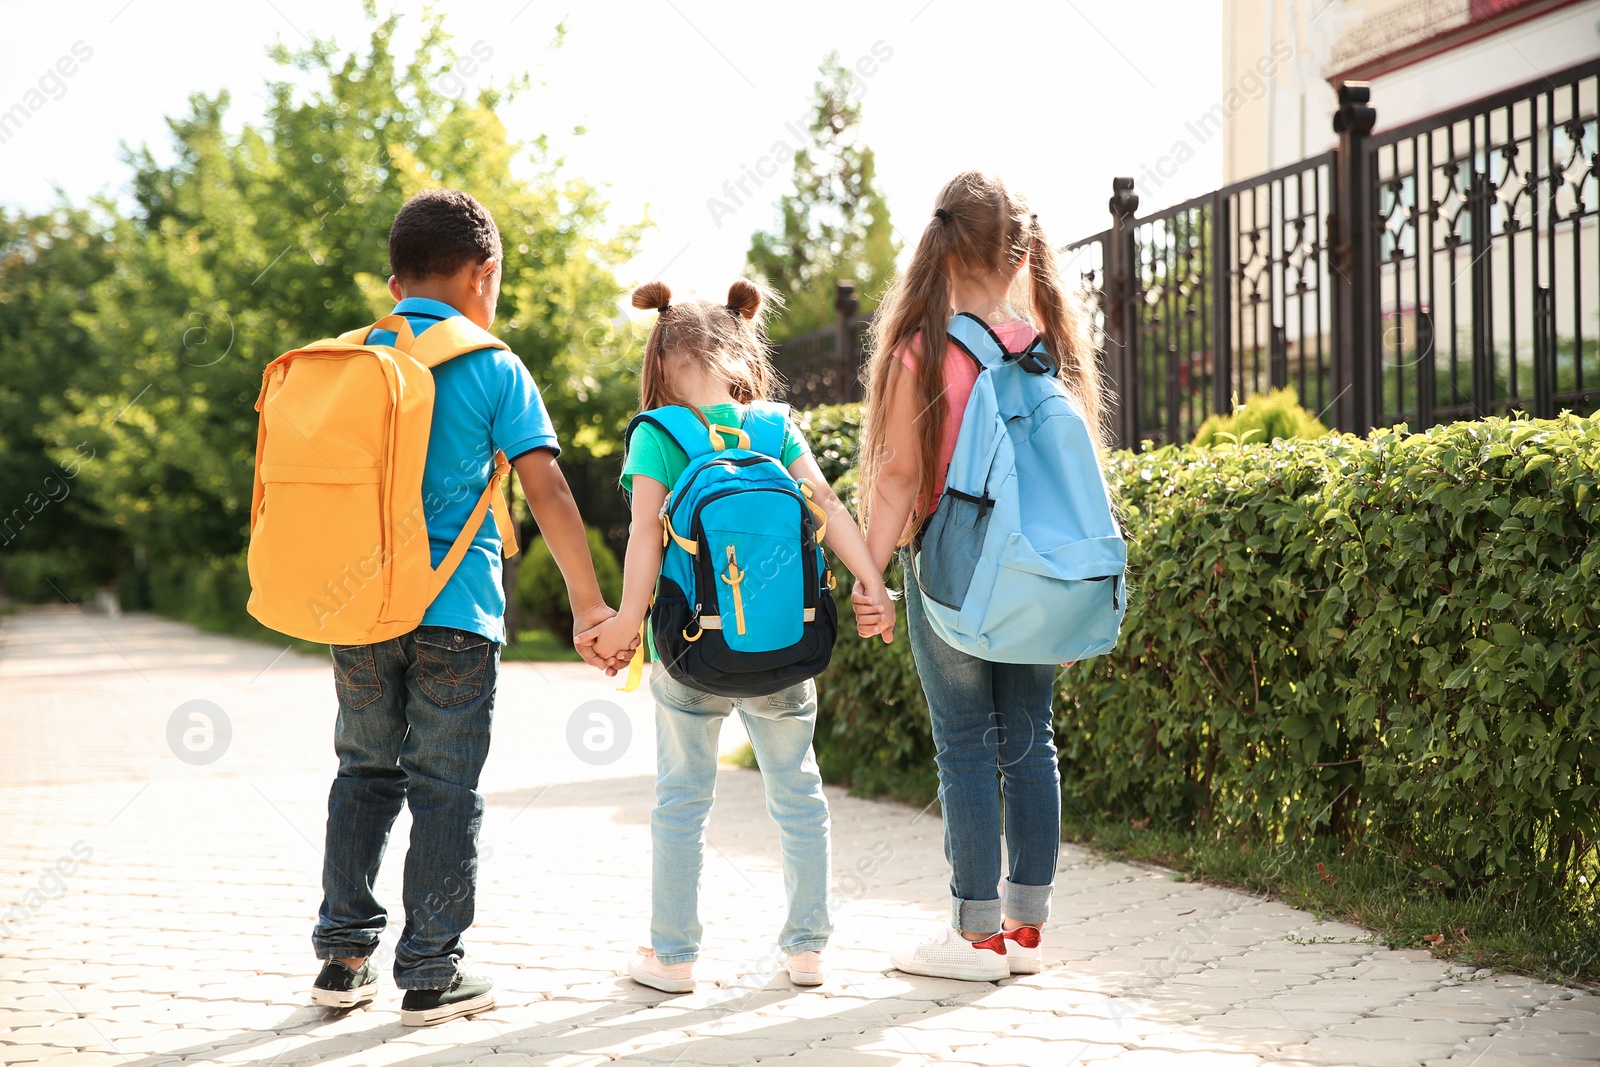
712,358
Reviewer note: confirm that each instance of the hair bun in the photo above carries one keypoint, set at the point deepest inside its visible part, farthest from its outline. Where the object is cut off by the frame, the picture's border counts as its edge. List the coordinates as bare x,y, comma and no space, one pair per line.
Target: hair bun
745,298
652,295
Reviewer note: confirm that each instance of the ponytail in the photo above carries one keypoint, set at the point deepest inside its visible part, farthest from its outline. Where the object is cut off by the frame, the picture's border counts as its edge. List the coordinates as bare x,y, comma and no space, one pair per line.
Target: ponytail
916,308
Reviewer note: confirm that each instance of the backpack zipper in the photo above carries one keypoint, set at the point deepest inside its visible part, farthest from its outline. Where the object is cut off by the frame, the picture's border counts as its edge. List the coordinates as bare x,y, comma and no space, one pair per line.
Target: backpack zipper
682,492
735,577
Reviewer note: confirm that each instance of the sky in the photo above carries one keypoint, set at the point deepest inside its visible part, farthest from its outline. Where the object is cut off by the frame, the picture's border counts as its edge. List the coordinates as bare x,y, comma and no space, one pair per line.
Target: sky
677,100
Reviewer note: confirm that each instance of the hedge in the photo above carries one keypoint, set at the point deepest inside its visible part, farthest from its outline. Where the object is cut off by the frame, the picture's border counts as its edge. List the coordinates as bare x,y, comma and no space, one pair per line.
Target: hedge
1388,641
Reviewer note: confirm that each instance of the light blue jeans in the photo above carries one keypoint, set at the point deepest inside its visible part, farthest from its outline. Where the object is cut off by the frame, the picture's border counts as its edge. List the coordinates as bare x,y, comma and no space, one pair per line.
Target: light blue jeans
780,726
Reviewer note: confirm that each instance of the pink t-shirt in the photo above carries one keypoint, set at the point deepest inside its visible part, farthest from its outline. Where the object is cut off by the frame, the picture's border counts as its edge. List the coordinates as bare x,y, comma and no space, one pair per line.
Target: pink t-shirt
960,375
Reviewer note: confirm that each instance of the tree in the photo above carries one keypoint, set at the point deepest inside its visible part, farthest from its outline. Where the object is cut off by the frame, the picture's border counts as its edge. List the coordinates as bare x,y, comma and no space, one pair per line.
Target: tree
51,534
835,225
249,244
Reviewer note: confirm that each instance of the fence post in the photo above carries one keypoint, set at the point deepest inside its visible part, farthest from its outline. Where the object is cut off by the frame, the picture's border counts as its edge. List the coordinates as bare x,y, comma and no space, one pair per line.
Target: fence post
1122,314
846,351
1350,233
1220,294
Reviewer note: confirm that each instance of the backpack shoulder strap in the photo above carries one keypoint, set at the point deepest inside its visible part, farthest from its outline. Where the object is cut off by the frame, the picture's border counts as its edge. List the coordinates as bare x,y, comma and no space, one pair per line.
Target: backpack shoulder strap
974,337
451,337
680,424
399,324
765,422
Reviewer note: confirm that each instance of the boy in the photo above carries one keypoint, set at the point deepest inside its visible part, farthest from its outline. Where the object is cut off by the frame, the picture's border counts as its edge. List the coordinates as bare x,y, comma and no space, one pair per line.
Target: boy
414,711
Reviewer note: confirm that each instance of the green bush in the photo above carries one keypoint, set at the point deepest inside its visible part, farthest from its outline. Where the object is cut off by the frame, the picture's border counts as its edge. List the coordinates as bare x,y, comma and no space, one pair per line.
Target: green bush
1264,418
1386,642
210,592
541,592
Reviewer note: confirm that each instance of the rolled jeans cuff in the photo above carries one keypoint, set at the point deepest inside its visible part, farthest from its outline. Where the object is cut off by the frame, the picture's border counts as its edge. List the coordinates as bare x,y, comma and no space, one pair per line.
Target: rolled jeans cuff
975,916
1027,903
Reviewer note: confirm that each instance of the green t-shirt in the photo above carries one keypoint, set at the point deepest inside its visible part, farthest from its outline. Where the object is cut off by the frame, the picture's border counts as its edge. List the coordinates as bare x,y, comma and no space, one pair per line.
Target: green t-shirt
655,455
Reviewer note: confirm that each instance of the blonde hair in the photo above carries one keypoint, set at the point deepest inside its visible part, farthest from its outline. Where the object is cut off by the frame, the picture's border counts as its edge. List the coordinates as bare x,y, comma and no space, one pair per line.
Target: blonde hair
984,229
726,340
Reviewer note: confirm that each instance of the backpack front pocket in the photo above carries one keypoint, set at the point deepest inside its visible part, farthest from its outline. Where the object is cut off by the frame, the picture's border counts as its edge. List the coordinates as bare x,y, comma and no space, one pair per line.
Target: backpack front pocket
950,546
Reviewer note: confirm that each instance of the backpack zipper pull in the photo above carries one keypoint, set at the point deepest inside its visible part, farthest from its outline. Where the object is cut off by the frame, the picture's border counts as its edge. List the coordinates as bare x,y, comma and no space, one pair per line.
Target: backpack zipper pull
733,576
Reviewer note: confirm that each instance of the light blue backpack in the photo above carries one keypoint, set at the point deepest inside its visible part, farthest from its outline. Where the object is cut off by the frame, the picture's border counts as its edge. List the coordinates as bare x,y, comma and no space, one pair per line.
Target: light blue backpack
1022,561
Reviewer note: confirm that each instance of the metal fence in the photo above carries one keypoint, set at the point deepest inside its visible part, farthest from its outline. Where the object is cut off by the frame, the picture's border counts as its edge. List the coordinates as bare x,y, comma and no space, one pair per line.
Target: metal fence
824,367
1445,269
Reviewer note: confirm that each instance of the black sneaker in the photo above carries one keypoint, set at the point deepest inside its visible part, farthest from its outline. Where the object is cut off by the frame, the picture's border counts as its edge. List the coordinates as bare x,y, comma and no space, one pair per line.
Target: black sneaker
340,987
466,995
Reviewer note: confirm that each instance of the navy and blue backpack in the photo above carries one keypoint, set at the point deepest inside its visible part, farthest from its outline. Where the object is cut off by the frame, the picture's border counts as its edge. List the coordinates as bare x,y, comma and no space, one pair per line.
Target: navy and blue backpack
1022,561
743,605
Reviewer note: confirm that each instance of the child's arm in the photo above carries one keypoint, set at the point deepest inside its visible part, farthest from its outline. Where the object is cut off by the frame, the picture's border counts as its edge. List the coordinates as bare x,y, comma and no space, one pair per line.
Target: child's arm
844,537
550,499
893,495
640,568
898,480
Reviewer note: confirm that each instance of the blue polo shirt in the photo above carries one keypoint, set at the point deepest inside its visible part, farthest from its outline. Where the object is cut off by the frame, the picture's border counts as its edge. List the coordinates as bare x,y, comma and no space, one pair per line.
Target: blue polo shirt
483,402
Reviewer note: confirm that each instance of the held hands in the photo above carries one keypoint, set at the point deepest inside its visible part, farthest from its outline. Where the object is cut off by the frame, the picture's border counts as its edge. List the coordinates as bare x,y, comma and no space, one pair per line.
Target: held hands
874,610
601,641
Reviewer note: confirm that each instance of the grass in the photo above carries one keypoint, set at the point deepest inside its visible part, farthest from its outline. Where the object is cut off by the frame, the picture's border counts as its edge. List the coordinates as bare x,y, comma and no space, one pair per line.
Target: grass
1509,926
540,646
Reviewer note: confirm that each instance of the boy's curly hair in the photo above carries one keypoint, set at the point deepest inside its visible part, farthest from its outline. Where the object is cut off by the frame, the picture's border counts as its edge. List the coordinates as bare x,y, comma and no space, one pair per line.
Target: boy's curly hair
439,231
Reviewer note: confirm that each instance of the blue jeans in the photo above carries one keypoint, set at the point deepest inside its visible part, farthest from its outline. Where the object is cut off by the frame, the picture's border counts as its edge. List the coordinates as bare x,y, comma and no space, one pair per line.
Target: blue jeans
780,727
413,727
994,738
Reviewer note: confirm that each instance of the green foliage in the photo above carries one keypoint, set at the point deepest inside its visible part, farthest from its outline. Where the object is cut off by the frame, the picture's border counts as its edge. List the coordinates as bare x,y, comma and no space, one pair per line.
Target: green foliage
138,337
835,225
1385,643
1264,418
205,591
832,432
541,646
542,593
52,535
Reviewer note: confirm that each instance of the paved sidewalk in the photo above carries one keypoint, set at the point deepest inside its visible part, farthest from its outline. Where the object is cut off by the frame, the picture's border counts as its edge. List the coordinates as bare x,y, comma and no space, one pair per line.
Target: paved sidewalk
155,908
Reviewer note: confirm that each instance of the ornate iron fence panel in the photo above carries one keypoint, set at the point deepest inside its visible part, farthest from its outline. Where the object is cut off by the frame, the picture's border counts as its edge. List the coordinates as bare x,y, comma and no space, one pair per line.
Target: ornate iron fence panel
1275,326
1486,262
813,370
1172,353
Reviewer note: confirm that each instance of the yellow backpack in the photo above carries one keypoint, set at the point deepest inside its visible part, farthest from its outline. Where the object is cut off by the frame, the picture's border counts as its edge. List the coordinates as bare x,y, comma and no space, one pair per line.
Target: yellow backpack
338,540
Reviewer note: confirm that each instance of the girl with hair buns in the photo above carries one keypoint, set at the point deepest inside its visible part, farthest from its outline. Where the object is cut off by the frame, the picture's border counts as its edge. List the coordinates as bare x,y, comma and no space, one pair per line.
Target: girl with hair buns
984,253
712,358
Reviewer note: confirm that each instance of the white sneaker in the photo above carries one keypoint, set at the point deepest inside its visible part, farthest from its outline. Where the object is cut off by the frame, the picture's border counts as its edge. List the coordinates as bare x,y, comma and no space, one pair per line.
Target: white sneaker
667,977
805,968
1024,950
953,956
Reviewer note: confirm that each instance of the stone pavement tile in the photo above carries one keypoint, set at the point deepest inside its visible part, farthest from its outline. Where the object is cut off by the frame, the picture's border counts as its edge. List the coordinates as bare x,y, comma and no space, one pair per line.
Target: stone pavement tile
1266,1018
1534,1043
1429,1006
1575,1016
75,1033
11,1020
1163,1058
31,1053
1264,1041
86,1059
978,1019
1424,1031
1367,1052
840,1058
